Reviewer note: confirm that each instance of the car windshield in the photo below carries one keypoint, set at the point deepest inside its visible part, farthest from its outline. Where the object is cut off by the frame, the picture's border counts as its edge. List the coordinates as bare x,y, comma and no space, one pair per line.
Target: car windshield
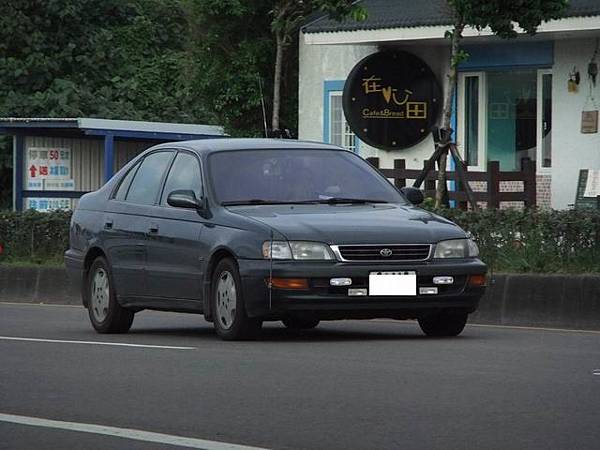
297,176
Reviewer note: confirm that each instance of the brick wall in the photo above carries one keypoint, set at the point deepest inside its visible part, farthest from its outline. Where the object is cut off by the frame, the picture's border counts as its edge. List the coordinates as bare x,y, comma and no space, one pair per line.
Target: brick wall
543,191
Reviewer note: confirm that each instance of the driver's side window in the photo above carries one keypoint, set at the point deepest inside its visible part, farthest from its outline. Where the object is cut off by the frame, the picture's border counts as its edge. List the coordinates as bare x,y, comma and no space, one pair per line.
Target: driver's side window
184,175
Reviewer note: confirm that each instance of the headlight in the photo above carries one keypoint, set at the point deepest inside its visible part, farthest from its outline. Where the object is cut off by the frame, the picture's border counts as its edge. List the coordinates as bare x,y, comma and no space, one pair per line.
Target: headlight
296,250
456,248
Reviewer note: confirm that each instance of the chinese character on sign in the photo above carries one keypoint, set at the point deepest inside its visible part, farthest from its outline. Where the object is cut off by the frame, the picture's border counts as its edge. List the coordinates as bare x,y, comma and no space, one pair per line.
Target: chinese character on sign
48,169
413,110
48,204
371,85
407,94
416,110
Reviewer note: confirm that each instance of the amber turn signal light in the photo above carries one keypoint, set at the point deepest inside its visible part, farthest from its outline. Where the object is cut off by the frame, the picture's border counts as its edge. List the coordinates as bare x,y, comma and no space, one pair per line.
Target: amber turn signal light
289,283
477,280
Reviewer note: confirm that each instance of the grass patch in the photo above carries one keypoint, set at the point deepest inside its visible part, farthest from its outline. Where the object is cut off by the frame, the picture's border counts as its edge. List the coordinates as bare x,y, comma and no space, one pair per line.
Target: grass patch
27,262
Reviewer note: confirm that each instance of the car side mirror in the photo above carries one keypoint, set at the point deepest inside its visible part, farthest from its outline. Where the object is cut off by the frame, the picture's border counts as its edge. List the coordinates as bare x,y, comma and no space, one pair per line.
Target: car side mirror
184,199
413,195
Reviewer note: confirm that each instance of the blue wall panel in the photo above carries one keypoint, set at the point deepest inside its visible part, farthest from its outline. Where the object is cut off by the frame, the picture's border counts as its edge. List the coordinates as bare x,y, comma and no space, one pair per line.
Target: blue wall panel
515,53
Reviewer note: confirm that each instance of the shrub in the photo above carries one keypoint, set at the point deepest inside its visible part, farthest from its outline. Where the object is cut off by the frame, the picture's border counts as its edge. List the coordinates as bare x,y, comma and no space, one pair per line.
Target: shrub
33,236
509,240
534,240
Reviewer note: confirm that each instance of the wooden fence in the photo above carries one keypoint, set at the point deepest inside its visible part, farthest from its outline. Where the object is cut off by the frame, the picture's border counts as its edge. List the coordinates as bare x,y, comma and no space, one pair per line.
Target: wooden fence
492,196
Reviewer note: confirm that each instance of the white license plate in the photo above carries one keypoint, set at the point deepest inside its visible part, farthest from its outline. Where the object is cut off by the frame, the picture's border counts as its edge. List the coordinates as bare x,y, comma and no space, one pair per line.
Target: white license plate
393,283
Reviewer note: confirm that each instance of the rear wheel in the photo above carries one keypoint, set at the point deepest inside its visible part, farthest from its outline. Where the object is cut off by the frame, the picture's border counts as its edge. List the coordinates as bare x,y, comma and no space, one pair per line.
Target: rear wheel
444,323
228,308
106,315
300,323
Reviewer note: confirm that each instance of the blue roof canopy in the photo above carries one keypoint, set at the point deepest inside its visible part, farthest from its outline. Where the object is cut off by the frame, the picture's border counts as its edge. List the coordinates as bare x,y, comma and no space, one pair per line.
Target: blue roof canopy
127,129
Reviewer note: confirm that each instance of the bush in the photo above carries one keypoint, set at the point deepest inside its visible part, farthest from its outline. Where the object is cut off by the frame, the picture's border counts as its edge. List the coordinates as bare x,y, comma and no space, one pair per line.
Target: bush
509,240
33,236
534,240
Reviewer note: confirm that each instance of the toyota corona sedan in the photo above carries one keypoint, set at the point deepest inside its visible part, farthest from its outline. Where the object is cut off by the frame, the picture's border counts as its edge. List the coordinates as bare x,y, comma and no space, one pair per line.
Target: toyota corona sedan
252,230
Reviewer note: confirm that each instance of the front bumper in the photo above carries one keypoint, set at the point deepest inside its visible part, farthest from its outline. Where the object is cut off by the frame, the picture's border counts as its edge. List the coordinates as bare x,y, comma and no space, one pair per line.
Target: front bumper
328,302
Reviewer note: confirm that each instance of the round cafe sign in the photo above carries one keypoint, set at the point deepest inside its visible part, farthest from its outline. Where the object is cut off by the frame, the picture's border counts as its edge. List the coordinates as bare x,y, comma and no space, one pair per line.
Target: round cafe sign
392,100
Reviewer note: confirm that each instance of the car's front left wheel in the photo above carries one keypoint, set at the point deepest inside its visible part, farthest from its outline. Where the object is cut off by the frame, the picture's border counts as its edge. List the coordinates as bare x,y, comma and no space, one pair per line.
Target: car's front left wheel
228,308
106,314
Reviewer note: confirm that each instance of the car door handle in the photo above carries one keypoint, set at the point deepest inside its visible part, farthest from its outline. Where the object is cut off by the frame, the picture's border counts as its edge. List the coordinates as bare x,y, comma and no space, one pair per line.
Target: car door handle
108,224
153,228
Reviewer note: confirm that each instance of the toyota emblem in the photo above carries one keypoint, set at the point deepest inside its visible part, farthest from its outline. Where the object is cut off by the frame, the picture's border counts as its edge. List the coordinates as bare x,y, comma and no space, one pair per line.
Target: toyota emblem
385,252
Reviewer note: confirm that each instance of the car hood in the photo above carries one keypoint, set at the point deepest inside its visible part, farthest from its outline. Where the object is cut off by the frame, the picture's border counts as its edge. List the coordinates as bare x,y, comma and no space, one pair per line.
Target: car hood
354,224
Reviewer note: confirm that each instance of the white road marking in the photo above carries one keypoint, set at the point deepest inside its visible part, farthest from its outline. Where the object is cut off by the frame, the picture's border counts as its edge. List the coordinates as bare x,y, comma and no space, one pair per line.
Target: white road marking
56,305
116,344
125,433
506,327
517,327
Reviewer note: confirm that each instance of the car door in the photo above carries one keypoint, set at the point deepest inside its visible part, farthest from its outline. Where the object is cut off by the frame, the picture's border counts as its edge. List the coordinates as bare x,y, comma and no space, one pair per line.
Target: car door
123,236
130,221
174,247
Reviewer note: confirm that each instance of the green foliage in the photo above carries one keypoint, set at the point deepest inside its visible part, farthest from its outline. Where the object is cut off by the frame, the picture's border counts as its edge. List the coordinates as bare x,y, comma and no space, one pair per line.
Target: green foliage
289,14
33,236
112,59
340,9
192,61
534,240
509,240
231,49
501,15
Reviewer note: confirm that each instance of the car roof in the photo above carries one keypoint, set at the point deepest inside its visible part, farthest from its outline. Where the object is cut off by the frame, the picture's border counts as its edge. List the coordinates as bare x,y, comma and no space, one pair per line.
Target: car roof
206,146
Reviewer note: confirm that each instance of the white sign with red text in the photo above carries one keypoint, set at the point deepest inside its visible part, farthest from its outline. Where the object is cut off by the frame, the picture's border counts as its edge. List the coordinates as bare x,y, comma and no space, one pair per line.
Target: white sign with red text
49,169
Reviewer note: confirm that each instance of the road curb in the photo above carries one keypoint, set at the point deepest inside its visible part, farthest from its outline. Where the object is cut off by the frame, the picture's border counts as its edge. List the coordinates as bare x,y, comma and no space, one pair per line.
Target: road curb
530,300
37,285
542,300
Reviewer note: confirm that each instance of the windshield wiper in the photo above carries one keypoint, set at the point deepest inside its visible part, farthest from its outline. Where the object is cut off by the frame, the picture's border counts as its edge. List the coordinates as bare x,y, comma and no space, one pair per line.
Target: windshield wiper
328,201
336,200
259,201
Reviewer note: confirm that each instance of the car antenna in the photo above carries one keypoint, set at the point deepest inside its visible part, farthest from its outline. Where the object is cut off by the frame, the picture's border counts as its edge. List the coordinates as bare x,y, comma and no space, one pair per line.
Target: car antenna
262,102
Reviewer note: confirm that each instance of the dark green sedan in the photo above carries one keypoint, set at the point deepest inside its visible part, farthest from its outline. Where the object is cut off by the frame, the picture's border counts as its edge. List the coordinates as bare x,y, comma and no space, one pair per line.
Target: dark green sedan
252,230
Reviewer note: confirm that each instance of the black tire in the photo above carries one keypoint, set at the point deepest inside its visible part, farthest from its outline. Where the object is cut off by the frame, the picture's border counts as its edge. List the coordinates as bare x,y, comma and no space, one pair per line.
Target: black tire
300,323
230,319
443,323
113,318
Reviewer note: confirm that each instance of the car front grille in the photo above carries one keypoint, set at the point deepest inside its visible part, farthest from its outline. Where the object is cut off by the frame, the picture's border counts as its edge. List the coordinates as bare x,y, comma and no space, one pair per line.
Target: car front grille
399,252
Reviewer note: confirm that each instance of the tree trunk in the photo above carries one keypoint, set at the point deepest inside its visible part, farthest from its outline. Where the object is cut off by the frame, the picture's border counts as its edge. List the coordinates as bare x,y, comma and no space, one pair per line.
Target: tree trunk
277,81
441,193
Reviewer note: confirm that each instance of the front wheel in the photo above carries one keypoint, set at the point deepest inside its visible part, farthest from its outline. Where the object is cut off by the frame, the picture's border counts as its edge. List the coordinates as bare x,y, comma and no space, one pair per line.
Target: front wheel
229,310
443,323
106,315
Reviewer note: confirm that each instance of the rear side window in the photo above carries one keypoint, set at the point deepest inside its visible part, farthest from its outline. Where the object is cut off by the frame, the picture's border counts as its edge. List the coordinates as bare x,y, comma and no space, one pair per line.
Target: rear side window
184,174
125,183
147,181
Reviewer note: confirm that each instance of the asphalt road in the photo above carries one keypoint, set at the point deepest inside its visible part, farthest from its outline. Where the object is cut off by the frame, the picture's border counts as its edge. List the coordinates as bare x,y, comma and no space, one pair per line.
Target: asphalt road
345,385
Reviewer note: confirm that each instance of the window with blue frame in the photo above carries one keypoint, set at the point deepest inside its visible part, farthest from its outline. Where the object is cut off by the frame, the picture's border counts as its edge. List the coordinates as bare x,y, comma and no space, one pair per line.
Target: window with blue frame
505,116
339,132
505,105
336,130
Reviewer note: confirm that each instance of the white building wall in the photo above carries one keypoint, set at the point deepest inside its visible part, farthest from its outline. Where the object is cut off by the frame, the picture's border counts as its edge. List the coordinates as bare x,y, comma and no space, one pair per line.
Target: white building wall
571,150
319,63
